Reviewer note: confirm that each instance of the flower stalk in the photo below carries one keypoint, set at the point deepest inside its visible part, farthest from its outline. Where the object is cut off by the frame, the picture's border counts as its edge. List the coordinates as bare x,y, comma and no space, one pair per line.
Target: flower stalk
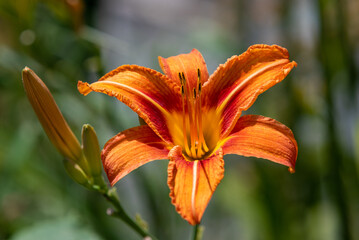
119,212
197,232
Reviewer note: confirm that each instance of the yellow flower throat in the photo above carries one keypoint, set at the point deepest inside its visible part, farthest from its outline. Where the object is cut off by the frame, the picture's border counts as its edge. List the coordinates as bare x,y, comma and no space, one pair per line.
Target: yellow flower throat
193,144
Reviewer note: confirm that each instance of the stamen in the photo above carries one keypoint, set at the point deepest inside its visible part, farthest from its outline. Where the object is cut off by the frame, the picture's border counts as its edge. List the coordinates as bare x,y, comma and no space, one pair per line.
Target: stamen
195,124
180,78
193,129
195,145
202,141
200,152
190,105
185,141
199,80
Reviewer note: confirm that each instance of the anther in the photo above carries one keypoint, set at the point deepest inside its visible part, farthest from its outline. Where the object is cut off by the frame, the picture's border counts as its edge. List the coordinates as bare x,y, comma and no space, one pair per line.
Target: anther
183,77
180,78
199,84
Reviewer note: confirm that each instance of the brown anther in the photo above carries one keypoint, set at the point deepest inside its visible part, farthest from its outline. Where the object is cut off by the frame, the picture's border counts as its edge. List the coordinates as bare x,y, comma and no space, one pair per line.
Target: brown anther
180,78
183,77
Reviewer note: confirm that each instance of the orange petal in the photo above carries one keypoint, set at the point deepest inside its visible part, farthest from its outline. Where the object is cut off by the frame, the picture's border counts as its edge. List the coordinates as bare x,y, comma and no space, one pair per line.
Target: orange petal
192,183
131,149
235,85
188,64
262,137
147,92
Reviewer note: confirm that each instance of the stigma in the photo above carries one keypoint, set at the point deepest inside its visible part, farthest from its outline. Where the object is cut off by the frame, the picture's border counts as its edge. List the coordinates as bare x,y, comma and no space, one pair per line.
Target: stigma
194,145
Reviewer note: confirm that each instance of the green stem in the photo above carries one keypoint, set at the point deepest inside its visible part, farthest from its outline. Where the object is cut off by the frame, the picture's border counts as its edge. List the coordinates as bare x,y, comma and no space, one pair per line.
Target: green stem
120,213
197,232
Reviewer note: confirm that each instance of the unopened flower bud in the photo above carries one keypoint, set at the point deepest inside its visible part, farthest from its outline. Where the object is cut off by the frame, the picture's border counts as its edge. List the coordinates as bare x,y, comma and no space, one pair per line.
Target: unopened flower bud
91,150
76,173
50,116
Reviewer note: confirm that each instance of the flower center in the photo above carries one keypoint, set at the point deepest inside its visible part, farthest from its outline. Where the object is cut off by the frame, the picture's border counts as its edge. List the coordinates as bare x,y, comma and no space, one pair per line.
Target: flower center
194,143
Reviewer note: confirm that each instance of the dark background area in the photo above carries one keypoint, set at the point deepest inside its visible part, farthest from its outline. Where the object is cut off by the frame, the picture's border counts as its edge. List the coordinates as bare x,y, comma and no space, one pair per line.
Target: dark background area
70,40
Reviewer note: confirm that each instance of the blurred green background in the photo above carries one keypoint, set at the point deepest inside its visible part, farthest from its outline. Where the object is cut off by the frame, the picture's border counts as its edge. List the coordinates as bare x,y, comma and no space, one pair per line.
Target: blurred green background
70,40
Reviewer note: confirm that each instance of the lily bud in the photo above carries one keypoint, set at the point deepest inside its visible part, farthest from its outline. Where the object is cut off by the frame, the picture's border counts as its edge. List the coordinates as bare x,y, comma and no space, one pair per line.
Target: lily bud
50,116
76,173
91,150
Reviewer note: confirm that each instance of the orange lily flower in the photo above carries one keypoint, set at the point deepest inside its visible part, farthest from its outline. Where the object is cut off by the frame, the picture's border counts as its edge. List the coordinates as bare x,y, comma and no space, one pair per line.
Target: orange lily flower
194,119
